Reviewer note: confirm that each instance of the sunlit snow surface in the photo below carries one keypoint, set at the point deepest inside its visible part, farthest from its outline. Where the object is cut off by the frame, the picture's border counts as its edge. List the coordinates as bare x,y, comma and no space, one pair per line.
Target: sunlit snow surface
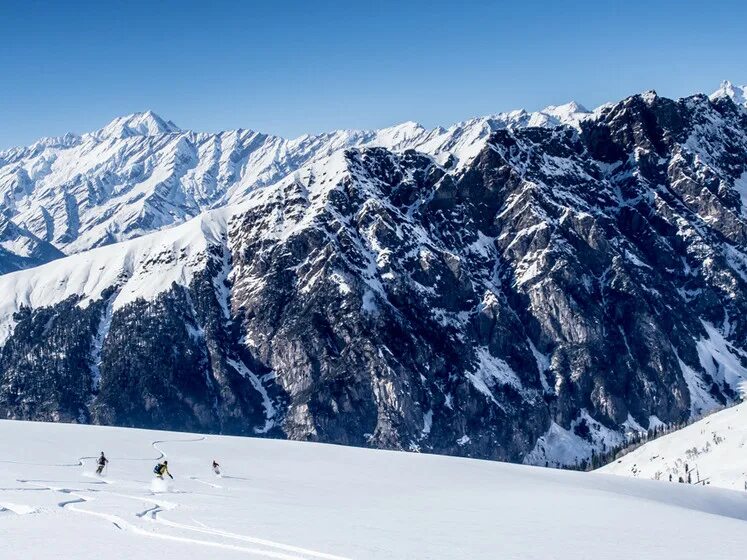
279,499
714,449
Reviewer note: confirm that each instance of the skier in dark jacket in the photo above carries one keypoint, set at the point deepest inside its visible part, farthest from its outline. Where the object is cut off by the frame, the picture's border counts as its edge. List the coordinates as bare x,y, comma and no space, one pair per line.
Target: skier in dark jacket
102,461
216,467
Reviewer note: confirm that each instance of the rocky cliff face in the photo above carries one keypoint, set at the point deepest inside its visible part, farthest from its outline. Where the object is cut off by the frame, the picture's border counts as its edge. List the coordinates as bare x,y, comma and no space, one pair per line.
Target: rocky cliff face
532,302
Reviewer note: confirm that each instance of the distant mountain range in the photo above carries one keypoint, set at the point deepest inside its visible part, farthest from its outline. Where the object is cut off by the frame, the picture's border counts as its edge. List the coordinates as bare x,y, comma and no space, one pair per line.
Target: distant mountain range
141,173
524,286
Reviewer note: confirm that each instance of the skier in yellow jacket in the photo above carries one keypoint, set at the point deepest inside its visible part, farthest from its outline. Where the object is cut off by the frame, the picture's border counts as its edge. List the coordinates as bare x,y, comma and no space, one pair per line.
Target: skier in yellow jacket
162,469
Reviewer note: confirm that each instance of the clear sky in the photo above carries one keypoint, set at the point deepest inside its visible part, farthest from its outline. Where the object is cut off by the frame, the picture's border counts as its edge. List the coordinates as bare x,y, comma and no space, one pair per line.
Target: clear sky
290,67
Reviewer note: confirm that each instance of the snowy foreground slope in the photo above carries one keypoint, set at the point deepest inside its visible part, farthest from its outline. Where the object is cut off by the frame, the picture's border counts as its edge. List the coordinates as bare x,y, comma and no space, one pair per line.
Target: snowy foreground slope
712,448
280,499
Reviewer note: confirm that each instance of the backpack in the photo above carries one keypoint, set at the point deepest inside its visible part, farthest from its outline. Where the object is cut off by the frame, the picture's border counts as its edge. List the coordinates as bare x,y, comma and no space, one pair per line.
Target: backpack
157,469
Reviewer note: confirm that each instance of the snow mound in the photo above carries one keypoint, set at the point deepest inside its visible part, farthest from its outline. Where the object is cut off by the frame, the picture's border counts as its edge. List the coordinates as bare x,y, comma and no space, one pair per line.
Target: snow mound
159,486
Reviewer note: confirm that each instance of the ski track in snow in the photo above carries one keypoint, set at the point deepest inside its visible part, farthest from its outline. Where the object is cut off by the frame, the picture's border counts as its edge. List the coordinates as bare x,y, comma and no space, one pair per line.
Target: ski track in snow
79,497
163,454
205,482
262,542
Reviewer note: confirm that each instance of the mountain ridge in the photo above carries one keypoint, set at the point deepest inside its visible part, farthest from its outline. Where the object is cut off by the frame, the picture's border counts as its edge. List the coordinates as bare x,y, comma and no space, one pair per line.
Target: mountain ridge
150,123
141,173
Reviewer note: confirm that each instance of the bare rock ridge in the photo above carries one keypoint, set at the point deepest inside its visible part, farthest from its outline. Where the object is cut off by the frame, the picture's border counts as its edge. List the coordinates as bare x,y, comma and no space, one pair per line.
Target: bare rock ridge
519,287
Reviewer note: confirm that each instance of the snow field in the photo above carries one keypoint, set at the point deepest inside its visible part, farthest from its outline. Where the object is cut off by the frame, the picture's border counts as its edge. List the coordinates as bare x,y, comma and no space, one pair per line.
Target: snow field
280,499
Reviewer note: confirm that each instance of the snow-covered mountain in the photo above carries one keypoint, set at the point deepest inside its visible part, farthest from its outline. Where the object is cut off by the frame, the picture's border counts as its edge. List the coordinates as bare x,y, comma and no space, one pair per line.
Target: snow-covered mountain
141,173
20,249
738,94
710,451
302,501
524,293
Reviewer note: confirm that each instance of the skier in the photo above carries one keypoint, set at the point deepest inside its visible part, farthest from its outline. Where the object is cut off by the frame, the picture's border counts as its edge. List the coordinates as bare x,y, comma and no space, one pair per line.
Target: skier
101,463
162,469
216,467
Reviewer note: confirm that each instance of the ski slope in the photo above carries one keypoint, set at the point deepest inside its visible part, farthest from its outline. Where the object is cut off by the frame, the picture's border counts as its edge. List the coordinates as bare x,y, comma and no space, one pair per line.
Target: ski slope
713,448
291,500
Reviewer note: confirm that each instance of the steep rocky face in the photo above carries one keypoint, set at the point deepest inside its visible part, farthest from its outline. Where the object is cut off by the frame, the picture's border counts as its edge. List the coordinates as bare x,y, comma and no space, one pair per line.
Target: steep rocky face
173,362
561,288
562,279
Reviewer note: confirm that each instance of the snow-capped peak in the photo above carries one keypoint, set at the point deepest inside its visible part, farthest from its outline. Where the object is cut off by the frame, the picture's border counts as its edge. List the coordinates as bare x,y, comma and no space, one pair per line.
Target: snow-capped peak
145,123
398,134
566,112
738,94
649,96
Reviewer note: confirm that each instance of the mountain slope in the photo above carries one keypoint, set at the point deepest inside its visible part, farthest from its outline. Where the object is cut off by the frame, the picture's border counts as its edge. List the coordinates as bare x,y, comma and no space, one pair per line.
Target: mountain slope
21,249
533,302
709,451
303,501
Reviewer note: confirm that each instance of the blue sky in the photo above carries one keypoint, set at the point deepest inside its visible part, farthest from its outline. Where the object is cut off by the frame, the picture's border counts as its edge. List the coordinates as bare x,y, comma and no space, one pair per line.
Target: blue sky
306,66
